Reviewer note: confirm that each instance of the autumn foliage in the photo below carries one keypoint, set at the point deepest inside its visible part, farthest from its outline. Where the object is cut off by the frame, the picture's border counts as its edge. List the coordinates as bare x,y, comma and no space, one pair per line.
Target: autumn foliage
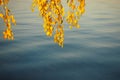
53,14
8,18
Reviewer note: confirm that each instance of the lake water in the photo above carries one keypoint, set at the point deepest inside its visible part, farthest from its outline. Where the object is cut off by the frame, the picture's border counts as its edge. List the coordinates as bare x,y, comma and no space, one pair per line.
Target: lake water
90,53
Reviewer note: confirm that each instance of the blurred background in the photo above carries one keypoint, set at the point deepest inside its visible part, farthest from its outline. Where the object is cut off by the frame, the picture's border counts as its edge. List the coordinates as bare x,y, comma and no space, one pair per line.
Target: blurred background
90,53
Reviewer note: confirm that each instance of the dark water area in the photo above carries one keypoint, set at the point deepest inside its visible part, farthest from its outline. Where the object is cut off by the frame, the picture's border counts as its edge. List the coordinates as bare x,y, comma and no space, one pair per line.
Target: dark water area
90,53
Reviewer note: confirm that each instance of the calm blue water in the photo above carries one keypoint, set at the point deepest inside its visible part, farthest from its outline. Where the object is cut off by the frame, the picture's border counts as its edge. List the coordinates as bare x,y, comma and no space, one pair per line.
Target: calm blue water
90,53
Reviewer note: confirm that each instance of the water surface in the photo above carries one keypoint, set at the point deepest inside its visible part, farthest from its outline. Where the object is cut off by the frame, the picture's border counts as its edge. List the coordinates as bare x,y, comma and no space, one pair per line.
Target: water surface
90,53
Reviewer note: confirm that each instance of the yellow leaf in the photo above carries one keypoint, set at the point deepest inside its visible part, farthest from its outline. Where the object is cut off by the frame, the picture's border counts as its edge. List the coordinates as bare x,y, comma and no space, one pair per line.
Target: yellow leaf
70,27
1,15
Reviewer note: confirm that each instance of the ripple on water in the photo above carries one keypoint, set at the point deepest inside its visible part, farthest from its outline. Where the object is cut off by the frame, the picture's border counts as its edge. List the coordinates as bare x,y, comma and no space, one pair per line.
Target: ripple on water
90,53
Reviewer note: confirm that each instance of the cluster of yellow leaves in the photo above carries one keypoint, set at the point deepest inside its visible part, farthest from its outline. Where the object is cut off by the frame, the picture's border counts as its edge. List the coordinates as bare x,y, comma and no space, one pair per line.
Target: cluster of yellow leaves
8,18
52,12
77,8
59,36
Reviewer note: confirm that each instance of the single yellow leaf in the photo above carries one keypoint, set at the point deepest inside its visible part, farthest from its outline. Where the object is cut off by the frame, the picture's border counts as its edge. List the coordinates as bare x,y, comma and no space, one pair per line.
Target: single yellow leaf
1,15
